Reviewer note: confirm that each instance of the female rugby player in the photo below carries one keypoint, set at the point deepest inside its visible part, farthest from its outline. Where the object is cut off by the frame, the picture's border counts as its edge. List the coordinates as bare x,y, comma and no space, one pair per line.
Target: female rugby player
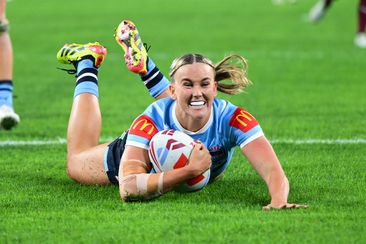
187,103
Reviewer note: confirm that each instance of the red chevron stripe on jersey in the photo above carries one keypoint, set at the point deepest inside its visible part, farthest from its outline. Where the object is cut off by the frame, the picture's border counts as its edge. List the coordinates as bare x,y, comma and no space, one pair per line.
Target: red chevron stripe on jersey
243,120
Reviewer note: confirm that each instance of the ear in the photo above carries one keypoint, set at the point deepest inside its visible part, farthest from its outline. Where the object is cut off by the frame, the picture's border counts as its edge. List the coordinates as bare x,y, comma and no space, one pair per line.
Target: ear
172,91
216,84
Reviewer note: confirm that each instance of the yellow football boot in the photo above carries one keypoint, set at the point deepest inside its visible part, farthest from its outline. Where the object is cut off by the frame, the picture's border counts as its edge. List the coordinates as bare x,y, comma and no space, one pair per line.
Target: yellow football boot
127,36
72,53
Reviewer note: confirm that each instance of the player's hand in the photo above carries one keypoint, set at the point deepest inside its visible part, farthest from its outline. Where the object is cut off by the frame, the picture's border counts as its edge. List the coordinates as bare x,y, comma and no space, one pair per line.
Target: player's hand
200,159
283,206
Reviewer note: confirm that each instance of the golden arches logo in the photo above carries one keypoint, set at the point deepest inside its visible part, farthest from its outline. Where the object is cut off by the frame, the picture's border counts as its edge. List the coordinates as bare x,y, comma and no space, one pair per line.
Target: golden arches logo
144,124
243,120
242,116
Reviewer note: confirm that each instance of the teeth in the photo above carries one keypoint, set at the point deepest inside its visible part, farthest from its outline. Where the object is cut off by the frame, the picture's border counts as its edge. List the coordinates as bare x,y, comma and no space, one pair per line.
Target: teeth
198,103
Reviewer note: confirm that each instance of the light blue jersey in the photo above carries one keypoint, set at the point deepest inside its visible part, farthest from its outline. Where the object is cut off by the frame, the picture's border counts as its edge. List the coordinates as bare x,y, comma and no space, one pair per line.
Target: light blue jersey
229,126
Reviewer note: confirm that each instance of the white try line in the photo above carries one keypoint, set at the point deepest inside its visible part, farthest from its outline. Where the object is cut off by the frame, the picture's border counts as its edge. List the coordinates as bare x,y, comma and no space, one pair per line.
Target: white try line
60,141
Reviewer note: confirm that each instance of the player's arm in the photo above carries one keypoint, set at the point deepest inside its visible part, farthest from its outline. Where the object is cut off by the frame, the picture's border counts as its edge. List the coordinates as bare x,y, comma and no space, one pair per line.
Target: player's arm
262,157
136,183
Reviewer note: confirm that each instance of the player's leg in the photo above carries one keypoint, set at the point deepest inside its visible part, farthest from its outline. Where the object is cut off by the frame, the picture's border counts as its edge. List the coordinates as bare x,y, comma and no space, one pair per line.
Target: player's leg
137,60
319,9
85,157
360,39
8,118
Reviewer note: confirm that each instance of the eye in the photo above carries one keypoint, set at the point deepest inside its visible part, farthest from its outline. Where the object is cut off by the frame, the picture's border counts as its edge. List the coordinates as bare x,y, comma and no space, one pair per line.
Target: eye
187,84
205,83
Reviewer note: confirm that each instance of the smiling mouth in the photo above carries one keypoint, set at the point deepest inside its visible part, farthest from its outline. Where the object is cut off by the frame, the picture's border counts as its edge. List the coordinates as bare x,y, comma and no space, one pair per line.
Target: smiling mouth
197,103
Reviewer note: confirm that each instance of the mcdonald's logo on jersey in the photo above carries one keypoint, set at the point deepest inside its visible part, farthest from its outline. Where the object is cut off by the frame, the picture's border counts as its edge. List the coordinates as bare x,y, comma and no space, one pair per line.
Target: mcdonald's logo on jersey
143,126
243,120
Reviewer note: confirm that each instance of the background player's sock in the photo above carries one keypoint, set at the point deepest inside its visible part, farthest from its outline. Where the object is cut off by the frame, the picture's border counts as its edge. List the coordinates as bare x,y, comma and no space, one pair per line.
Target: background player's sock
6,93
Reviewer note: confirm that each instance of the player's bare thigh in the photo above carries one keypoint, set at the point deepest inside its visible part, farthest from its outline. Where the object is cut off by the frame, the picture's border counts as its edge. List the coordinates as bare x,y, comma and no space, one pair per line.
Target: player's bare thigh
87,167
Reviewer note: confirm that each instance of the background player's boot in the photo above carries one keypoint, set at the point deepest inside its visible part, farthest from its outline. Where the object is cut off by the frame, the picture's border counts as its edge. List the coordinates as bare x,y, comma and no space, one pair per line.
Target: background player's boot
360,40
317,12
8,118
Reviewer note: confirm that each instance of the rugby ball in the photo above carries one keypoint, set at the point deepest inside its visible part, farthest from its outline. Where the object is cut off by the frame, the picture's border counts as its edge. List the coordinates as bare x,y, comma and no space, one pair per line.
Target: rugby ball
170,149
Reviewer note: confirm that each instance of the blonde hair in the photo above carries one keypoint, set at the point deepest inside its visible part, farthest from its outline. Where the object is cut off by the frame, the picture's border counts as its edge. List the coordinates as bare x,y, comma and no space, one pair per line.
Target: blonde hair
233,68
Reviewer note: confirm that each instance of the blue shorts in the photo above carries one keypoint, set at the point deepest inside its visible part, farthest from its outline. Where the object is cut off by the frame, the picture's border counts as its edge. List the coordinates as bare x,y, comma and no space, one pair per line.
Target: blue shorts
112,157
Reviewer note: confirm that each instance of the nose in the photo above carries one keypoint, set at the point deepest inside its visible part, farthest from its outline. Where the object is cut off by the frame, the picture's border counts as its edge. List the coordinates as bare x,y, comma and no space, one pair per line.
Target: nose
197,92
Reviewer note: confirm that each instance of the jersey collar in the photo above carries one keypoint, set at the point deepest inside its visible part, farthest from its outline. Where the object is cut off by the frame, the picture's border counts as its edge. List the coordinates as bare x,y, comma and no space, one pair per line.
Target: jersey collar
188,132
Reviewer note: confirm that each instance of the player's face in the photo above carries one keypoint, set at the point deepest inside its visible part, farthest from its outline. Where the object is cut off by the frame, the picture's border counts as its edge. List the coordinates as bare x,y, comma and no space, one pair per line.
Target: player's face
194,89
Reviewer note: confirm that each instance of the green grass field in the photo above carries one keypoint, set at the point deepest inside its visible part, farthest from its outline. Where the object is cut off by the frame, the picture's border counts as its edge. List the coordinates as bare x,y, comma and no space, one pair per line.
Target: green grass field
309,86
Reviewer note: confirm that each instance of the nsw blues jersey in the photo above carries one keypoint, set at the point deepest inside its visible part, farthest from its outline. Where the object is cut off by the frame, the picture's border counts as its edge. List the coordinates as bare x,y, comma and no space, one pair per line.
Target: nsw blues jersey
229,126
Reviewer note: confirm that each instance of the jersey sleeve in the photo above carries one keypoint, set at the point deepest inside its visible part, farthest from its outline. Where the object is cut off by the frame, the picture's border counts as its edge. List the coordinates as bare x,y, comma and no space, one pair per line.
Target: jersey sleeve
152,120
245,127
141,132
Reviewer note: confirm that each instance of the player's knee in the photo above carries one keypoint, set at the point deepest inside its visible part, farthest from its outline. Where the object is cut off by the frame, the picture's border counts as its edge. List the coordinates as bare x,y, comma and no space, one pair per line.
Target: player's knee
72,168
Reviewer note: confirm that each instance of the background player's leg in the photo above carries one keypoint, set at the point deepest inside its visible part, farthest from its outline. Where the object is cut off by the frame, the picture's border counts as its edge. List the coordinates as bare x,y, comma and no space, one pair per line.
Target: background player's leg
360,39
319,9
8,118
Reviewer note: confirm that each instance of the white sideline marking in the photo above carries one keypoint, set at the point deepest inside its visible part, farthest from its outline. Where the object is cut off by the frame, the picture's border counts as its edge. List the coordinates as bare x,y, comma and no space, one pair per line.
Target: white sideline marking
60,141
33,142
319,141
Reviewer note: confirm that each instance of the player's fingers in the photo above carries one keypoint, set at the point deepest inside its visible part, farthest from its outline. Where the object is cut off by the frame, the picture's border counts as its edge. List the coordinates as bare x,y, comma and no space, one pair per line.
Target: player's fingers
197,146
266,208
200,145
292,205
287,205
301,206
